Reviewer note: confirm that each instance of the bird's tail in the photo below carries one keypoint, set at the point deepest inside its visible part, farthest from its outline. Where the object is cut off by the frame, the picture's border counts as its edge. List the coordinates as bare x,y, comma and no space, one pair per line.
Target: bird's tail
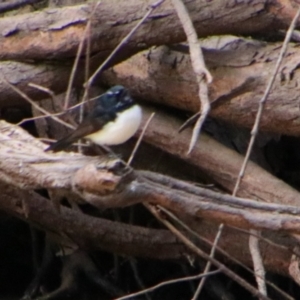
61,144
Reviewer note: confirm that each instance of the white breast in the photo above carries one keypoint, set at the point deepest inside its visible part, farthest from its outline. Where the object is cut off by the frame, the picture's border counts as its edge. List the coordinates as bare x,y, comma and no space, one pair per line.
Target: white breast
120,130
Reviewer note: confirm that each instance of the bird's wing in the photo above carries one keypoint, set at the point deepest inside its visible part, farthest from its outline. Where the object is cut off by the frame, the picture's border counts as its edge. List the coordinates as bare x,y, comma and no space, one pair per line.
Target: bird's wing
94,122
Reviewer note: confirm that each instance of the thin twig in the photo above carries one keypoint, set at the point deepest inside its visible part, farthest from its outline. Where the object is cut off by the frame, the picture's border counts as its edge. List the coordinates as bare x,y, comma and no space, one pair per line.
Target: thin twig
253,241
79,50
43,89
226,254
205,256
206,270
255,128
203,76
139,139
258,264
123,42
55,114
87,65
153,288
37,106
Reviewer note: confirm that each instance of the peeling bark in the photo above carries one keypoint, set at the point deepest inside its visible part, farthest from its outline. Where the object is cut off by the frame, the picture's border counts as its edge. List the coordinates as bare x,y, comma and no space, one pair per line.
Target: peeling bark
240,72
109,183
188,201
56,32
218,162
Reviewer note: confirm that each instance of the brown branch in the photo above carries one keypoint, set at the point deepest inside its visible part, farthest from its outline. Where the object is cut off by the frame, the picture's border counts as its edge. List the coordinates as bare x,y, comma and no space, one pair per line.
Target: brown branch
263,100
37,107
123,42
253,241
218,162
220,250
11,5
202,254
203,76
109,183
85,37
164,283
88,232
240,69
27,36
26,166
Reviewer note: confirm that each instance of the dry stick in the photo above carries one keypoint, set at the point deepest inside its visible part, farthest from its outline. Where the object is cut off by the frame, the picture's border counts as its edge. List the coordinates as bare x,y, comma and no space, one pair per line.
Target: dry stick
254,131
243,231
226,254
37,106
55,114
123,42
258,264
255,128
86,75
43,89
203,76
79,50
52,95
253,241
87,63
140,139
151,289
205,256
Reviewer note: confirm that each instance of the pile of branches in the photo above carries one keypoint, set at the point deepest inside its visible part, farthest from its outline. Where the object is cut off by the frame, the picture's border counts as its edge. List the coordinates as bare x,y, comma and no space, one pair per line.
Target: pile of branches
52,55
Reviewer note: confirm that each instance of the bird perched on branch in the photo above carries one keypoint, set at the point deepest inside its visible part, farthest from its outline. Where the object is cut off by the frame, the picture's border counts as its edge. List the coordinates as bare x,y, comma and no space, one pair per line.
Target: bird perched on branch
114,119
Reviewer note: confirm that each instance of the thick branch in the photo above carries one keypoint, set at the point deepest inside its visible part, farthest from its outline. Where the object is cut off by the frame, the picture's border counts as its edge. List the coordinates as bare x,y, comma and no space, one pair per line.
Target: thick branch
56,32
108,183
240,70
218,162
24,164
92,233
88,232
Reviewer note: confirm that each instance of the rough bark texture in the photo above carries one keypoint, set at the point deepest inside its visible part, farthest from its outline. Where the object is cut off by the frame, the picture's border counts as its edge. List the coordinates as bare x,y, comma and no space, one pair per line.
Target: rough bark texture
87,232
90,233
40,47
240,72
218,162
190,202
56,32
107,183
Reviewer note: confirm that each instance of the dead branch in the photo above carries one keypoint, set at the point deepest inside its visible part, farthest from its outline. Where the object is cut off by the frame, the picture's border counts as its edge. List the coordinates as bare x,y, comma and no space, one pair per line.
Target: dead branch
253,240
88,232
218,162
240,69
11,5
56,32
93,233
25,165
108,183
202,74
207,257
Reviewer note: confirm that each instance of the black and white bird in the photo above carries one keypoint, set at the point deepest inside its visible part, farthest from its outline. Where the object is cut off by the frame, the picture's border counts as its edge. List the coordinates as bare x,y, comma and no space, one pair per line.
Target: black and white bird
114,119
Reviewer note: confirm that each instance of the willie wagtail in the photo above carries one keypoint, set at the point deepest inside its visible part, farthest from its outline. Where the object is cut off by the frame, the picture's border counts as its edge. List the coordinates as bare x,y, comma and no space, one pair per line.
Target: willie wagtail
114,119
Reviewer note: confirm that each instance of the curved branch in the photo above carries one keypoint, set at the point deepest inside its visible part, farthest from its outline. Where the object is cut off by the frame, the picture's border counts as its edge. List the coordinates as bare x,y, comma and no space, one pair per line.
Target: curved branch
55,33
240,68
109,183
